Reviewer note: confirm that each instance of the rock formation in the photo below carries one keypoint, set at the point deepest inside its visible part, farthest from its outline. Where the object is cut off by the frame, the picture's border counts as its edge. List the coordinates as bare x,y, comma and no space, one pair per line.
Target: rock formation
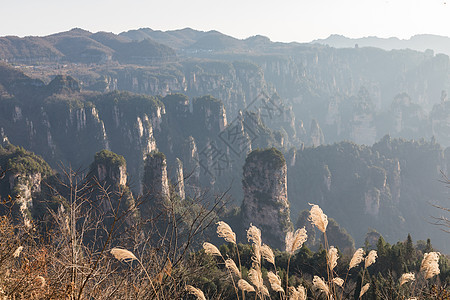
109,170
265,203
155,184
179,179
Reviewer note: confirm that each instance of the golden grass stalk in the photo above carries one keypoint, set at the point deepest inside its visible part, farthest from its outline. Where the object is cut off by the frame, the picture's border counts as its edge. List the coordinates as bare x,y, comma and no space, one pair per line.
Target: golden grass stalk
16,253
256,257
370,258
255,277
320,285
364,289
245,286
254,235
406,278
224,231
297,294
294,241
302,292
338,281
231,265
318,218
265,291
211,249
275,282
196,292
430,264
332,257
357,258
267,254
123,254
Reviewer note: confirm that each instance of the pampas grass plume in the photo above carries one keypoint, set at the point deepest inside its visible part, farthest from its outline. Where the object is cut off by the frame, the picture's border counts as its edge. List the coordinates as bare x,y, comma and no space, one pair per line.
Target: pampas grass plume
211,249
267,254
196,292
364,289
406,278
122,254
318,218
430,264
224,231
254,235
245,286
275,282
370,258
357,258
294,241
338,281
332,257
16,253
297,294
231,265
320,284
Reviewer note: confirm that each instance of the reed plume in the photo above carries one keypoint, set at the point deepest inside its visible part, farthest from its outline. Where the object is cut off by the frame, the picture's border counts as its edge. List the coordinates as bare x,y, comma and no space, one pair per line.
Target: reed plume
338,281
231,265
255,277
123,254
294,241
332,257
254,235
224,231
364,289
297,294
16,253
370,258
211,249
320,285
318,218
267,254
357,258
430,264
196,292
275,282
406,278
245,286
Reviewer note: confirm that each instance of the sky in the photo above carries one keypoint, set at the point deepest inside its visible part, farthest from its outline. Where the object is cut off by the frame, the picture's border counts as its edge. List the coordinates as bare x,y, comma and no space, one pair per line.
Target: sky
282,20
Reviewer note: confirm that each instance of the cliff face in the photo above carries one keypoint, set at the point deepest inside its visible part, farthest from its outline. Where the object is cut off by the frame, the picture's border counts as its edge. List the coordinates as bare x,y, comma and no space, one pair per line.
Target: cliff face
265,203
24,173
381,186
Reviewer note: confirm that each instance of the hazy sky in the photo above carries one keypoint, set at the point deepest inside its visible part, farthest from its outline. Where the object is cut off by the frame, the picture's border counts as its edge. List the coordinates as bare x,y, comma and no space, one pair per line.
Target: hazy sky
296,20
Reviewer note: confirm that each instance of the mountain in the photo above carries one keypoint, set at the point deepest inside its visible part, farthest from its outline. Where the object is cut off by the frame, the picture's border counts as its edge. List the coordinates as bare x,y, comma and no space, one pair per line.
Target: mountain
420,42
81,46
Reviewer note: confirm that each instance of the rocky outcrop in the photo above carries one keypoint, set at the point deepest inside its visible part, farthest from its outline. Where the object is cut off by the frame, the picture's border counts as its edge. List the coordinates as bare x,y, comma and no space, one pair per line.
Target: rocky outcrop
109,170
265,203
179,179
156,193
109,167
316,137
210,113
22,174
23,188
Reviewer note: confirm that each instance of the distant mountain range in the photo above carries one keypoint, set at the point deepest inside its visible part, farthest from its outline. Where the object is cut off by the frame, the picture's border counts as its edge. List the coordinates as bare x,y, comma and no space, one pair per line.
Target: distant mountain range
420,42
148,45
